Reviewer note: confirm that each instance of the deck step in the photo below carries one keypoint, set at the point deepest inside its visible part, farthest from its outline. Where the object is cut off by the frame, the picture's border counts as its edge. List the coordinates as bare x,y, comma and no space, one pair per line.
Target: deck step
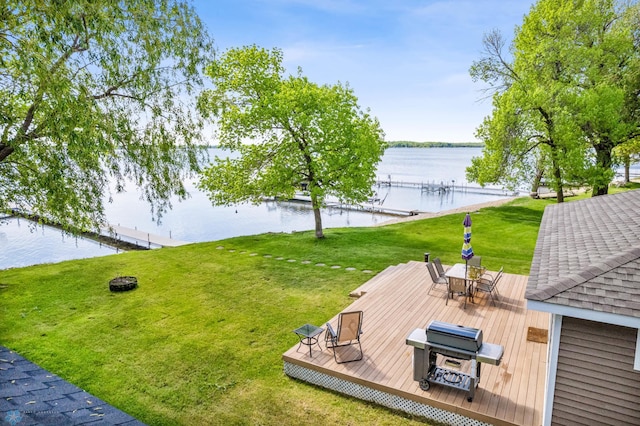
373,282
390,273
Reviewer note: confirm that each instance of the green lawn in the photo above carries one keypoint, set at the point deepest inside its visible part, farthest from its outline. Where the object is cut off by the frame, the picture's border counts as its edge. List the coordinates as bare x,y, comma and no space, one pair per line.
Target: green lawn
200,341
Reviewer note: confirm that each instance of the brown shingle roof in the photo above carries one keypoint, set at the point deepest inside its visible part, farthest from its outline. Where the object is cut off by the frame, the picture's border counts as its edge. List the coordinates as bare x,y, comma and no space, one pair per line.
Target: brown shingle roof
588,255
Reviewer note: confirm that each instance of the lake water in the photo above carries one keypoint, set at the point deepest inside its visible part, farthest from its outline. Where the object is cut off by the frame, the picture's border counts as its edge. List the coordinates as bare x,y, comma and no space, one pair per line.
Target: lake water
196,220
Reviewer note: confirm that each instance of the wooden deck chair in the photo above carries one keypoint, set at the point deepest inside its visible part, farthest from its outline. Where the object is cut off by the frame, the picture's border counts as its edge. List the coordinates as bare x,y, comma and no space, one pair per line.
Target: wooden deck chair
347,335
458,286
487,283
435,278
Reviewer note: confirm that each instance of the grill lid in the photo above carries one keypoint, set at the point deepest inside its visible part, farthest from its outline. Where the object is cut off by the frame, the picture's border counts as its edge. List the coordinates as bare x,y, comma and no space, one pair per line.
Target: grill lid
455,336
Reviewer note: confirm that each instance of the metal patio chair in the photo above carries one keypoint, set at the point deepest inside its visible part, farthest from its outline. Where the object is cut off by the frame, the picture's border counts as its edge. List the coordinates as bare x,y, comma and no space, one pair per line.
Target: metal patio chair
439,268
487,283
435,278
475,261
457,286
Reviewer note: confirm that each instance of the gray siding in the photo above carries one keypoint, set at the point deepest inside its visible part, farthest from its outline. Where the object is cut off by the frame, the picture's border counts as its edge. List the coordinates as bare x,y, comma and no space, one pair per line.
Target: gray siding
596,383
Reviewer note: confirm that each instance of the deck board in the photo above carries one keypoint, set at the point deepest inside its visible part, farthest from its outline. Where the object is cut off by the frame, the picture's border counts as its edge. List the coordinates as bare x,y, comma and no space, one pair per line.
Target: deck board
398,301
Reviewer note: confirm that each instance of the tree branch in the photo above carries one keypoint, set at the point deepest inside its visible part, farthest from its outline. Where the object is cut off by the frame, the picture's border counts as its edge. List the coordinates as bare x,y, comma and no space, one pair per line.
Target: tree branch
28,119
5,151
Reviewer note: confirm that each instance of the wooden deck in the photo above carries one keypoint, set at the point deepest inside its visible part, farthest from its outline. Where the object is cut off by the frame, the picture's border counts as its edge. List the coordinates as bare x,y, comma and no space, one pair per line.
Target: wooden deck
395,302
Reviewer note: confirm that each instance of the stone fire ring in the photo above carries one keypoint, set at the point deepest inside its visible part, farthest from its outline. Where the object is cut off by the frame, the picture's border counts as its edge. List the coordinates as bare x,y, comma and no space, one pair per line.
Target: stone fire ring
123,283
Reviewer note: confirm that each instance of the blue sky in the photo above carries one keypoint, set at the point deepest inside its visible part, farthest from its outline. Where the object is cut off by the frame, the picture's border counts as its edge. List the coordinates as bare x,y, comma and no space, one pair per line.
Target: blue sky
407,61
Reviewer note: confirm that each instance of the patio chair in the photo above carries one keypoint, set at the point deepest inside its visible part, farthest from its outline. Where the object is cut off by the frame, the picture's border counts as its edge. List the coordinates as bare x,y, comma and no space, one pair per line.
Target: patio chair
457,286
438,265
487,283
347,335
475,261
435,278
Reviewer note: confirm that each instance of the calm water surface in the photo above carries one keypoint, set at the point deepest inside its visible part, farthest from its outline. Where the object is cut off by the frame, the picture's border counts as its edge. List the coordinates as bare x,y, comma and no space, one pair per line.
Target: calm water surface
196,220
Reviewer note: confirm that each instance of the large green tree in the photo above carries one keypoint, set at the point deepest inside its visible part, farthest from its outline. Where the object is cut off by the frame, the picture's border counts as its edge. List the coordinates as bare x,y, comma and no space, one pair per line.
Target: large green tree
521,140
288,132
573,84
95,94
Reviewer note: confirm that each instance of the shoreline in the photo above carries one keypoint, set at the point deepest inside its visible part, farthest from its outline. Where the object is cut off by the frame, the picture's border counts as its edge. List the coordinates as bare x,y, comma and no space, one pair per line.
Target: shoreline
119,244
464,209
107,240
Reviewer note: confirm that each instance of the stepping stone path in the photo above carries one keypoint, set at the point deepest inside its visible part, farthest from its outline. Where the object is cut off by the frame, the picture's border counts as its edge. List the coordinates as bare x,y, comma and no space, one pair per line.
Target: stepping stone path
304,262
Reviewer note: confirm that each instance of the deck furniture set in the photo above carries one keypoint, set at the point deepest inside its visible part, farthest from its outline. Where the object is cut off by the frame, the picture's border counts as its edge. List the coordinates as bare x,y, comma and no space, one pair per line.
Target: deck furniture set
455,343
465,279
345,336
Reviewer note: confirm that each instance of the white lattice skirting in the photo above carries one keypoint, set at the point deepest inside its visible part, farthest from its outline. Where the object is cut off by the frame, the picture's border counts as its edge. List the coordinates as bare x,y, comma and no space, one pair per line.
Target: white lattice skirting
376,396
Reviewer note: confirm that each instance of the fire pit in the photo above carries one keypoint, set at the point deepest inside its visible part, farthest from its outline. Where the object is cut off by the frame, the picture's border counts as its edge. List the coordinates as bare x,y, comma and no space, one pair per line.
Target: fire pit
123,283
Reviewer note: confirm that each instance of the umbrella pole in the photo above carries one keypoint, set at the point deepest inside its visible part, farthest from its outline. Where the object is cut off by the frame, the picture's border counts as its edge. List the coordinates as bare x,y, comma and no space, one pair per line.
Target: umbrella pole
468,289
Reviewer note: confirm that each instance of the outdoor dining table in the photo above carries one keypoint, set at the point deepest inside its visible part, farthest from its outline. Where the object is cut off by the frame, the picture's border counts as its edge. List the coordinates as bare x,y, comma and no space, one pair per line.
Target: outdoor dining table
461,271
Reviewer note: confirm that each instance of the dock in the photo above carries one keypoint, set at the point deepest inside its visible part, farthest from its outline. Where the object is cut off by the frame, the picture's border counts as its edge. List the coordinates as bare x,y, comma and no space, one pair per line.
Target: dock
373,208
143,238
363,207
444,187
376,205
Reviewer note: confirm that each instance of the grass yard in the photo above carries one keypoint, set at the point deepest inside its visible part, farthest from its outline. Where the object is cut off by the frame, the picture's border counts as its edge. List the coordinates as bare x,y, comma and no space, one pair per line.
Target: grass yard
200,341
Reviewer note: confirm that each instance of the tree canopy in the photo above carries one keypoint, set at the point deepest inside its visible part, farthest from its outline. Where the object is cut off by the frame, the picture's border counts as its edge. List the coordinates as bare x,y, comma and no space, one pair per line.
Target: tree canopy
95,94
289,133
566,100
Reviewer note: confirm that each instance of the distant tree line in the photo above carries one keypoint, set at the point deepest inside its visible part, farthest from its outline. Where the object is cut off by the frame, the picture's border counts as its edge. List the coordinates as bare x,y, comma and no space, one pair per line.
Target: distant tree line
410,144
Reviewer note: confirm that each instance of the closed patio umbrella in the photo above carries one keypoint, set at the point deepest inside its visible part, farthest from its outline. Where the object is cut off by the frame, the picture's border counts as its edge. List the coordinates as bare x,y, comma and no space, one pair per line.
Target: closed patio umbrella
467,250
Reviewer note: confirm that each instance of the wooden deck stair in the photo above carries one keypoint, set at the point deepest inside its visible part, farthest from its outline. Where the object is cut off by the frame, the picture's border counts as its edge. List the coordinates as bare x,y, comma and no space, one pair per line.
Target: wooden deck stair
390,273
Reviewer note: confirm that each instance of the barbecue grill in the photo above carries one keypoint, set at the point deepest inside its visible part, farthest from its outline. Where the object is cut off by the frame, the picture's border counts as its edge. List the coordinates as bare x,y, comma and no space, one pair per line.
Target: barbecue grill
455,343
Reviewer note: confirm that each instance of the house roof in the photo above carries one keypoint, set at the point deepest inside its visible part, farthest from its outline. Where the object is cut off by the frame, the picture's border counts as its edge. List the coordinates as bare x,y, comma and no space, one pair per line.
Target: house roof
588,255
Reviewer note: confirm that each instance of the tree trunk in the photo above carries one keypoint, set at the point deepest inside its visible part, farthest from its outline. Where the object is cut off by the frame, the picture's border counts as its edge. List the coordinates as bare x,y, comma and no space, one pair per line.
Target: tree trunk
537,179
557,177
627,166
603,163
317,216
557,172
